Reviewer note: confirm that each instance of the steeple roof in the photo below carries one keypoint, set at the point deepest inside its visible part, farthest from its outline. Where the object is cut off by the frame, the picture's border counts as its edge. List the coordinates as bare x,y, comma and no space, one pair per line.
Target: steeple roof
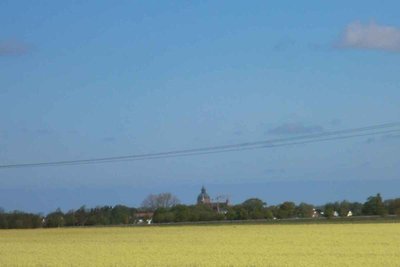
203,196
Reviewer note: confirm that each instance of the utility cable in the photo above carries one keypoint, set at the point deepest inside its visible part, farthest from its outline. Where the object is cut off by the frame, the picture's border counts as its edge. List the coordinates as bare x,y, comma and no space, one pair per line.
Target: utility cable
304,139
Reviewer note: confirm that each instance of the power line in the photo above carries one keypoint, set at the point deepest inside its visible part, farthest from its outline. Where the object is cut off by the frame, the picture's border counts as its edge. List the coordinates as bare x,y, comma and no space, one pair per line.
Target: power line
304,139
216,151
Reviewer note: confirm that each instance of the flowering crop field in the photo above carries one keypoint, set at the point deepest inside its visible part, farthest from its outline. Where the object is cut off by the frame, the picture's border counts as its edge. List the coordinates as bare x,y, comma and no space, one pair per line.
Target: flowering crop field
214,245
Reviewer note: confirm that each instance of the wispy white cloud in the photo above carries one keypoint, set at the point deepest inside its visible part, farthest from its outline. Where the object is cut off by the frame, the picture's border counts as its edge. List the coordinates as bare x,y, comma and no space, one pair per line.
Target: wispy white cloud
370,36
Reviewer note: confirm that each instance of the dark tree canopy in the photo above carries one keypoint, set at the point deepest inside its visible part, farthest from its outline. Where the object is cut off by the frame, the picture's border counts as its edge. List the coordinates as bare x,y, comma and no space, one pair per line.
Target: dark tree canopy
165,208
304,210
374,206
393,206
286,210
162,200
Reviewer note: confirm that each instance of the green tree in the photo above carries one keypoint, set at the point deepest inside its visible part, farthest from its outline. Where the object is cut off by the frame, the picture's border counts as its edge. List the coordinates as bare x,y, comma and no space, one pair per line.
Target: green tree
374,206
393,206
3,221
163,215
254,208
121,214
55,219
204,213
286,210
344,208
181,213
163,200
304,210
231,213
81,216
70,218
99,216
329,210
356,208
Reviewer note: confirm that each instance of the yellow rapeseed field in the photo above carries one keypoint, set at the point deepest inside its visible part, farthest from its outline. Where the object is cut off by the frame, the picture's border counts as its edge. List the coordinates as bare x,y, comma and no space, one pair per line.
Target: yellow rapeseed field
219,245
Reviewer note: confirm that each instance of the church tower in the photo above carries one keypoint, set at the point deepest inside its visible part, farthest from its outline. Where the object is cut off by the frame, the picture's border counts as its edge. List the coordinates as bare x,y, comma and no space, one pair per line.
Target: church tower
203,198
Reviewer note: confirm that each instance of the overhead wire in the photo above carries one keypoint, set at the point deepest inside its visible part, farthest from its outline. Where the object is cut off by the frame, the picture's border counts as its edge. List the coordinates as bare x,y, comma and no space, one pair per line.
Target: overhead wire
297,140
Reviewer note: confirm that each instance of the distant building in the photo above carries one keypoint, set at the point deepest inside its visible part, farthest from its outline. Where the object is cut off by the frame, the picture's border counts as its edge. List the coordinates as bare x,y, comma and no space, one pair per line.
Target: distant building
335,214
144,217
350,213
317,213
203,198
220,205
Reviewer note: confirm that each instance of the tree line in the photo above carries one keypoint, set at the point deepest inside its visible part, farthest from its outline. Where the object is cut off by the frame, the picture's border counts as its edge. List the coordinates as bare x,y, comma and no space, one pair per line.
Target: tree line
165,208
254,208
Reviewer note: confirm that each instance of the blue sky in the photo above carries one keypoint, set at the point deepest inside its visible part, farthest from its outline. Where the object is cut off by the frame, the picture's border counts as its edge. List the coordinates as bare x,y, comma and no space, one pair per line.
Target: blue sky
105,78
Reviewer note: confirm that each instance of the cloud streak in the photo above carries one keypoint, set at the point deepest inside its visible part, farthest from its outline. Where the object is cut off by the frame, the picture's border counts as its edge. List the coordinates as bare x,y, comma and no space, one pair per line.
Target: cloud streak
13,48
371,36
295,128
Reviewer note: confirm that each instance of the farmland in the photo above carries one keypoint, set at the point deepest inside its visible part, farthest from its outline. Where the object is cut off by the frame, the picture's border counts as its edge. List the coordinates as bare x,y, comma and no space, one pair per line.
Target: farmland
208,245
